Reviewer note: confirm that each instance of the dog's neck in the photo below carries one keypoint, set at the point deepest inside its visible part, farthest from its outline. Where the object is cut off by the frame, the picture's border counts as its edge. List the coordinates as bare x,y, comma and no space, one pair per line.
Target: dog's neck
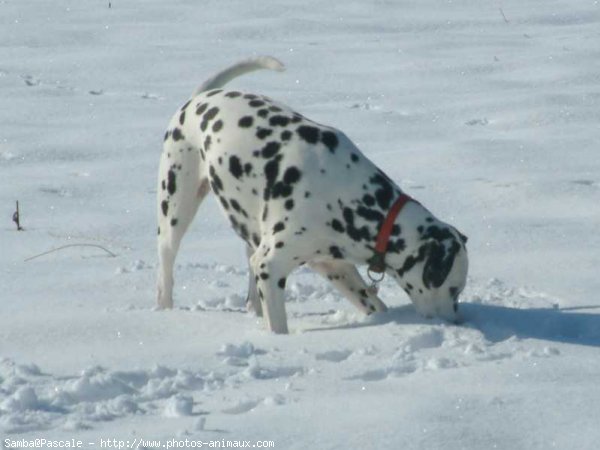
413,220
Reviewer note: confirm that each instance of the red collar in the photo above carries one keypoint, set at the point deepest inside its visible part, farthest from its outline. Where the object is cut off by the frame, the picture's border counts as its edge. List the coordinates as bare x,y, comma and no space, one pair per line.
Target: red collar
377,261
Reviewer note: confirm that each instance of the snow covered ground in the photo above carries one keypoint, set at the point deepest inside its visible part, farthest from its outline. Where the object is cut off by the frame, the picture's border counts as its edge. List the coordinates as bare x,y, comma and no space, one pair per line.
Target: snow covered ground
486,111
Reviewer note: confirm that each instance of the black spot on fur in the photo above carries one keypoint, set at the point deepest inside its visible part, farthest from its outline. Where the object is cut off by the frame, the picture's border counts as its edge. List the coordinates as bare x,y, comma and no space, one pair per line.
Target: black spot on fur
270,149
263,133
208,116
247,168
396,246
286,135
385,192
211,113
185,105
271,172
171,185
243,231
274,108
235,167
250,96
281,121
308,133
174,222
234,222
289,204
177,134
368,200
246,122
337,226
264,276
279,244
411,260
330,140
280,189
255,239
224,203
279,226
264,113
167,134
207,142
216,183
281,283
201,107
437,233
215,92
356,234
235,205
370,215
164,206
335,252
292,175
256,103
217,126
354,157
233,94
182,118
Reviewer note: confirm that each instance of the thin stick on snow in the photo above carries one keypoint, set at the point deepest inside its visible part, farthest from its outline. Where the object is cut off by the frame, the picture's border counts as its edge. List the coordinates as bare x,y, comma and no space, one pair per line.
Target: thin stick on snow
17,218
71,245
503,16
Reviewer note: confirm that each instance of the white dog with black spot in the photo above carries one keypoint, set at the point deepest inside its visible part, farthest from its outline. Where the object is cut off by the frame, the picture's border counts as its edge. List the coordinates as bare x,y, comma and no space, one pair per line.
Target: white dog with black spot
298,192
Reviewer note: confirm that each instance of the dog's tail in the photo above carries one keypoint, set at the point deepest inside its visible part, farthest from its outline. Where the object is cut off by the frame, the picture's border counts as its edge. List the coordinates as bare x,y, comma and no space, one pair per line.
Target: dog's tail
249,65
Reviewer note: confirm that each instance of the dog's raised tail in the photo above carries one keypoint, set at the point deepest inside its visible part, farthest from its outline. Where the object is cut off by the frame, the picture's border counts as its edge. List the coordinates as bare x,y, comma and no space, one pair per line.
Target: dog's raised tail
240,68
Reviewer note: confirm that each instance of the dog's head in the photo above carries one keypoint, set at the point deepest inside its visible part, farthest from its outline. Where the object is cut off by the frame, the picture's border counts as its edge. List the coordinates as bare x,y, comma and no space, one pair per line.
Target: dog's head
435,273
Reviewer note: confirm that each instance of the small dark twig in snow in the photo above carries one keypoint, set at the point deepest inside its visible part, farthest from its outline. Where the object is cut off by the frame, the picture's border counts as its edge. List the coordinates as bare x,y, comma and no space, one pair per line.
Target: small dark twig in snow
111,254
503,16
17,218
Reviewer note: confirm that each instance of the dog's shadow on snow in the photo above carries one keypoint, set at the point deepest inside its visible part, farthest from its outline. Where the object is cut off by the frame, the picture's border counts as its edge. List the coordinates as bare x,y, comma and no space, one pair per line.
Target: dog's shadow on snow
498,323
567,325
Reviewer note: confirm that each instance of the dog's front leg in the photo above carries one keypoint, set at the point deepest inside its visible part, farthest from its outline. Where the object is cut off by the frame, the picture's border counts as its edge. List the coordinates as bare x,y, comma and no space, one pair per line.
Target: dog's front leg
348,281
271,268
252,300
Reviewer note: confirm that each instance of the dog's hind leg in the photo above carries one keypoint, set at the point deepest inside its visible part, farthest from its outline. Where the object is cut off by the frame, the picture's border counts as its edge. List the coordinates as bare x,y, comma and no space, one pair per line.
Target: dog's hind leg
252,301
348,281
181,188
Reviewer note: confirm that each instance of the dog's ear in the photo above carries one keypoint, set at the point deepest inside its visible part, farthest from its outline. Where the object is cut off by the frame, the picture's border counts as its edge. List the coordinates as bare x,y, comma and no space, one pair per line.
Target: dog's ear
463,238
438,262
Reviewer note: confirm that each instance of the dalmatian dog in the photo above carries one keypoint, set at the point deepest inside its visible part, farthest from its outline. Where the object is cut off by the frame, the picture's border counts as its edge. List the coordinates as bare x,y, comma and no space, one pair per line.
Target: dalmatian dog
298,192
